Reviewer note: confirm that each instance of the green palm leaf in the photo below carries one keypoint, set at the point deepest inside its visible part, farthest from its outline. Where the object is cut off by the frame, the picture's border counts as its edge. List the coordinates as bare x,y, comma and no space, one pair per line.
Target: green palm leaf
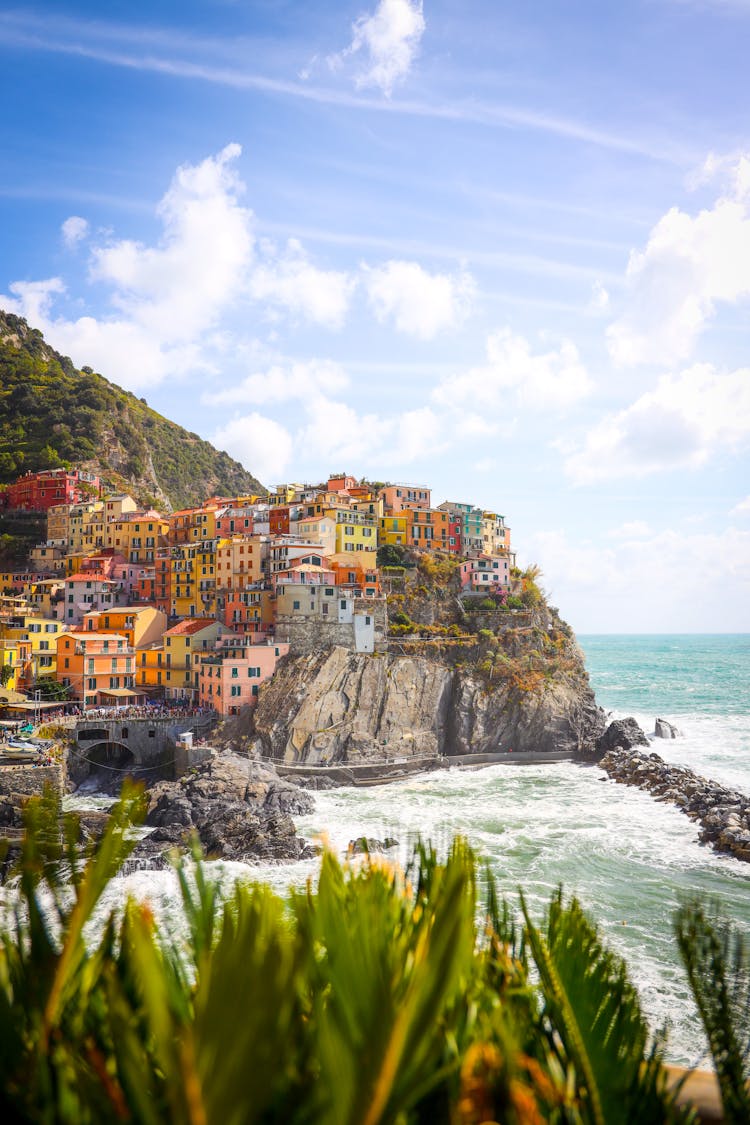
594,1014
718,968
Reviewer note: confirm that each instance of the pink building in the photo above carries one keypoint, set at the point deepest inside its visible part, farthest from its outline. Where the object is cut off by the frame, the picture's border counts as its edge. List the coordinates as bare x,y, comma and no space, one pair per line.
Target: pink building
485,573
230,677
87,591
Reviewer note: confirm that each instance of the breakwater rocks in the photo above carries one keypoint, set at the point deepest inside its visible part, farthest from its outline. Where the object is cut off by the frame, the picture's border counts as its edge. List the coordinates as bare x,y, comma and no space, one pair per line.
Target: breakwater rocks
239,809
723,814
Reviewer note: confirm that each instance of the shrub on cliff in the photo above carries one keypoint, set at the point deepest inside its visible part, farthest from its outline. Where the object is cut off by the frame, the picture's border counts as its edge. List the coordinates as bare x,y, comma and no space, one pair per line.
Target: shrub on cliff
381,996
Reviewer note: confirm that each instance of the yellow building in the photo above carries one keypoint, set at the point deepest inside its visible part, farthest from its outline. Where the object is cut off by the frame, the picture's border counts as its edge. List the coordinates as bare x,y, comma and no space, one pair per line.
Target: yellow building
172,666
142,625
356,535
192,525
240,561
393,531
193,580
12,655
495,535
37,637
86,528
138,535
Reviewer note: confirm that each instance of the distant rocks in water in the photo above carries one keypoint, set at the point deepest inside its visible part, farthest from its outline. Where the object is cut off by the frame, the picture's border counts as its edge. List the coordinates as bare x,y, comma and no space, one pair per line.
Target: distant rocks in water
622,734
723,814
363,845
238,808
663,729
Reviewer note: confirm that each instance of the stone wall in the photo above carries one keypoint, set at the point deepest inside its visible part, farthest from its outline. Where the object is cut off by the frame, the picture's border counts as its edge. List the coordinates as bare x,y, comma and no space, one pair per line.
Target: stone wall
306,635
30,781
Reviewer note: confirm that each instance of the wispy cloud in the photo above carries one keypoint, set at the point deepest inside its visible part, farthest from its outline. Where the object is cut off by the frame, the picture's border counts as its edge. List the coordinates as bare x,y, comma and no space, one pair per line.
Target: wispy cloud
136,49
523,263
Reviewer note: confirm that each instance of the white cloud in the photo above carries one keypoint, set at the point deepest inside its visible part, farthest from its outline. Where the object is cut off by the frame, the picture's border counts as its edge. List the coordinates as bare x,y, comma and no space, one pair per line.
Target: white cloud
634,529
167,297
261,444
547,381
292,282
680,424
336,431
599,301
419,303
389,38
284,383
671,578
741,509
32,299
689,266
74,230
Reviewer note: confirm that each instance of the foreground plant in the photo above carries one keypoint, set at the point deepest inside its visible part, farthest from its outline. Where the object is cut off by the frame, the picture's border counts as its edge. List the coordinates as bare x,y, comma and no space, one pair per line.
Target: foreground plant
376,997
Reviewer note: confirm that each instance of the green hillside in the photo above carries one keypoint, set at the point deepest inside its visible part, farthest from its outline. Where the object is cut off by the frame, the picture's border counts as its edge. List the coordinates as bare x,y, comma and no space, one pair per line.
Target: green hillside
53,415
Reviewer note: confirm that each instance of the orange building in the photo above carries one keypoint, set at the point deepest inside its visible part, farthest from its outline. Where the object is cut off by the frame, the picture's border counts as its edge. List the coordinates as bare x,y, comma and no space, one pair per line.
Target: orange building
98,669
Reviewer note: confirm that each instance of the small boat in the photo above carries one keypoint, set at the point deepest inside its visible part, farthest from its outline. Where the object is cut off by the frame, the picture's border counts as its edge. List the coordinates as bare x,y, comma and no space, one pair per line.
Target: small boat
17,752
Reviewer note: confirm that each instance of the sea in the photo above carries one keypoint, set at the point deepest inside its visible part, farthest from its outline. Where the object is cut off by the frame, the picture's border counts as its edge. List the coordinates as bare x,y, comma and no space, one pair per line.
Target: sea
629,858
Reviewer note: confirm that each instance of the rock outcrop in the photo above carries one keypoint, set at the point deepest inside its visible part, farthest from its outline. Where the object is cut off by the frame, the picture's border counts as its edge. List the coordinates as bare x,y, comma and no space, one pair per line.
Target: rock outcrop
335,706
723,814
663,729
239,810
622,734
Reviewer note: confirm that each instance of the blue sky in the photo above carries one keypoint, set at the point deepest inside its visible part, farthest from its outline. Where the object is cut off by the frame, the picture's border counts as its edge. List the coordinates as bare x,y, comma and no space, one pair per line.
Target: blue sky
500,249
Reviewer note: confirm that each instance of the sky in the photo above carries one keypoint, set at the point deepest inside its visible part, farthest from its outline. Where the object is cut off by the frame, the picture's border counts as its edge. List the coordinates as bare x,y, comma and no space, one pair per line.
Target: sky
499,249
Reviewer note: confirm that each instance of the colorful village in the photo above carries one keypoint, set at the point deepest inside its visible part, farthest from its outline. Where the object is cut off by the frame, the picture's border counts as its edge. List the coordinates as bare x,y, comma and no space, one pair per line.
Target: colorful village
121,607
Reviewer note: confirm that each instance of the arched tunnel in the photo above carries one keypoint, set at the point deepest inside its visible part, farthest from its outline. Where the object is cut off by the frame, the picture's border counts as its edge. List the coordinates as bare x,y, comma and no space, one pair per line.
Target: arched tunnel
109,763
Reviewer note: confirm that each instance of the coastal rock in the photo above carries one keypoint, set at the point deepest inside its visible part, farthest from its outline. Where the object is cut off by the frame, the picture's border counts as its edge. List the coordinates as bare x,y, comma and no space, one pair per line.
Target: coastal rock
364,845
723,814
622,734
335,707
663,729
238,809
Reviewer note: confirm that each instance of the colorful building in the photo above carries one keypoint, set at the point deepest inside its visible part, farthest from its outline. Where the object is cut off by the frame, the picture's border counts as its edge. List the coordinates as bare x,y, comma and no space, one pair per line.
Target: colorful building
98,669
36,492
432,529
488,573
231,677
396,497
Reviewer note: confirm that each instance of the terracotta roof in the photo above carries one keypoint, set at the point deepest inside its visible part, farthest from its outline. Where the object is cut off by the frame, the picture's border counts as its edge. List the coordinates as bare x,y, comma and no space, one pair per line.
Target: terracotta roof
88,576
189,626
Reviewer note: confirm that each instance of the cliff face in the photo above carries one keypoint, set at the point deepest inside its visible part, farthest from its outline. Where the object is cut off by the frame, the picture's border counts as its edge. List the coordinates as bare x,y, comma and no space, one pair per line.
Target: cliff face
341,707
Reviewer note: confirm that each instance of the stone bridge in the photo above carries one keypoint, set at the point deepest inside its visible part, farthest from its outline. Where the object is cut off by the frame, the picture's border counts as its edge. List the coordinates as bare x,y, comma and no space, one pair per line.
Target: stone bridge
141,747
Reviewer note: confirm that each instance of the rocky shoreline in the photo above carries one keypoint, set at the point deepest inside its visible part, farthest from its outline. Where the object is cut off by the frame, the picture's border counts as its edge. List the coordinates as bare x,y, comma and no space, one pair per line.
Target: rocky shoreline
237,809
723,813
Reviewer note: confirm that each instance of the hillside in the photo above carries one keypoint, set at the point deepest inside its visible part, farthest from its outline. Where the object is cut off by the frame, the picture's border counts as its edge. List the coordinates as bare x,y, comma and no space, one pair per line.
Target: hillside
52,414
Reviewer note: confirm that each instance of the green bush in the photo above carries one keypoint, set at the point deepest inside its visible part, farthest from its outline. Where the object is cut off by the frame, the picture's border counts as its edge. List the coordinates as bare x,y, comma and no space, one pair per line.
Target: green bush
381,996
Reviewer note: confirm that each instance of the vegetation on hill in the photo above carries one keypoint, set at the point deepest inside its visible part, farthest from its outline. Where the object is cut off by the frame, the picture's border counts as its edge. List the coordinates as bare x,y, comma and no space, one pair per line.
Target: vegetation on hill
53,415
382,996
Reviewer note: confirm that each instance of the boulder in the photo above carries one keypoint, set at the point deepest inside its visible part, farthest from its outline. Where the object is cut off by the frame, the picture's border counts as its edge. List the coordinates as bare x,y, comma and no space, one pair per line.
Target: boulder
663,729
237,808
622,734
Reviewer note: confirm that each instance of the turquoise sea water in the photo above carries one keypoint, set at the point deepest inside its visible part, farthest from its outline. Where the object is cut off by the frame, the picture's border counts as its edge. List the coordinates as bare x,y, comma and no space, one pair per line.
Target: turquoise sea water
630,859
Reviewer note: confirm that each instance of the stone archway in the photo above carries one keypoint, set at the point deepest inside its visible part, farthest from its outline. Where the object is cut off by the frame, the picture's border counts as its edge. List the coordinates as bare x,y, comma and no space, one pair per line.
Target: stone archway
109,763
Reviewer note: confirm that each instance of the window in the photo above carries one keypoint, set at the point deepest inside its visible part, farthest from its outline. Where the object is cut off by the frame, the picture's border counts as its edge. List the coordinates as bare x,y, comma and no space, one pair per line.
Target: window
367,620
235,673
295,605
236,690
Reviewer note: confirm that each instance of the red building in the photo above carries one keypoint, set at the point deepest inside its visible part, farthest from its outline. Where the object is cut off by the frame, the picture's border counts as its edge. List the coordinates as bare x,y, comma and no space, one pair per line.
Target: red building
278,518
36,492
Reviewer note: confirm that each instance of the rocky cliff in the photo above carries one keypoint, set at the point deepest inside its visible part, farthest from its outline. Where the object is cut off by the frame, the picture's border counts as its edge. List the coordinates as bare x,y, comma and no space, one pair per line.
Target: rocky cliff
427,699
